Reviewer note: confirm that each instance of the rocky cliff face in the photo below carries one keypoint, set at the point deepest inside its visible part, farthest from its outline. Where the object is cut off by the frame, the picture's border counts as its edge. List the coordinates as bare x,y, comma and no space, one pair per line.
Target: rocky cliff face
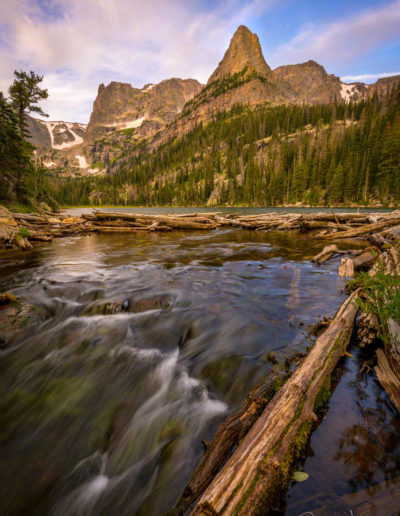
309,82
123,115
244,52
242,77
120,106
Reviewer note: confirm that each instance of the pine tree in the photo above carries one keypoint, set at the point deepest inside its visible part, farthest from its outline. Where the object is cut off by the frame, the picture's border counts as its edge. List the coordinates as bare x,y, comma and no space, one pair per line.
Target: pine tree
25,95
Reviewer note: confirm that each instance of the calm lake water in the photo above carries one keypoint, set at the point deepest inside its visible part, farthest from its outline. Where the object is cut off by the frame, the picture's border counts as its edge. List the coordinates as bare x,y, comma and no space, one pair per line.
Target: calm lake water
225,210
146,343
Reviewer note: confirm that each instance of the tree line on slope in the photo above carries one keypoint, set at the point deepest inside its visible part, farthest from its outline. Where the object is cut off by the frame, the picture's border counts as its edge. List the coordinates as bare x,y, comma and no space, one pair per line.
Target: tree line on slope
340,153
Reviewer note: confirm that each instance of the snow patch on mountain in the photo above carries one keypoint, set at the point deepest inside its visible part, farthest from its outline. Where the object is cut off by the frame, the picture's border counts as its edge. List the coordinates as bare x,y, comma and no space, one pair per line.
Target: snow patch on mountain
148,87
82,161
62,127
346,91
130,124
134,123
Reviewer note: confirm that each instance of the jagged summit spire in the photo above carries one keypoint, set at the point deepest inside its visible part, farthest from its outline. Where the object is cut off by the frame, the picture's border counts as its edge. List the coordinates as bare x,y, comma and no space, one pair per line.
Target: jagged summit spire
244,51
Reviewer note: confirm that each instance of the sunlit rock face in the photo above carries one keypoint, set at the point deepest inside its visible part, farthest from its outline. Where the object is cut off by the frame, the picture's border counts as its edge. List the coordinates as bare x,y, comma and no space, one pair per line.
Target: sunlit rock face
120,106
244,51
309,82
124,115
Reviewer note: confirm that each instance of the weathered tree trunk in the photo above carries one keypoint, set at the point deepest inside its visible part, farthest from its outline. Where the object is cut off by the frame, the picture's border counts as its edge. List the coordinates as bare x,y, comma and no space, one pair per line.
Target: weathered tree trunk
362,230
258,471
348,266
388,378
230,432
327,252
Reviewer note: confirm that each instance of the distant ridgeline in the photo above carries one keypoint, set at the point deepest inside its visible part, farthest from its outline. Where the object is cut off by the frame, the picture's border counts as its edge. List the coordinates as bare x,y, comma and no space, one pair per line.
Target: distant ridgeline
341,152
251,136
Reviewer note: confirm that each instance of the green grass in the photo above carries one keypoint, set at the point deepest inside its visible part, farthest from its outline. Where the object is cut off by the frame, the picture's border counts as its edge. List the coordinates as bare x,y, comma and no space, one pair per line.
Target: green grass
23,231
18,207
381,295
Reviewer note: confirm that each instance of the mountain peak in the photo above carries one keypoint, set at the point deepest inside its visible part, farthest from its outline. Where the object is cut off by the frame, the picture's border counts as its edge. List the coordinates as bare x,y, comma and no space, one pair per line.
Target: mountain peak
244,51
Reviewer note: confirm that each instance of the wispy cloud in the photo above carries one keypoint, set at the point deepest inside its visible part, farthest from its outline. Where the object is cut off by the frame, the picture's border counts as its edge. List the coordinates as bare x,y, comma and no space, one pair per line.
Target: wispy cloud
343,41
367,77
77,44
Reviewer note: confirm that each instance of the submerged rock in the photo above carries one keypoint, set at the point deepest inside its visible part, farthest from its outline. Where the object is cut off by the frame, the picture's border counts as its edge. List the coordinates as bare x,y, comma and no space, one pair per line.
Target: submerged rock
132,305
14,316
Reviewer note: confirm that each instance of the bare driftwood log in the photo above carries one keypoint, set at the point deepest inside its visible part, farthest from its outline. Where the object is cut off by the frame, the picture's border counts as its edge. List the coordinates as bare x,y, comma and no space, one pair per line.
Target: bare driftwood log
363,230
388,378
327,252
348,266
378,240
259,469
342,224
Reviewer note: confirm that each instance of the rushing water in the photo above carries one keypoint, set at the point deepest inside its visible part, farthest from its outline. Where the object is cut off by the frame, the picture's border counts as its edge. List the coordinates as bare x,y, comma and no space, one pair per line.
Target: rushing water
146,343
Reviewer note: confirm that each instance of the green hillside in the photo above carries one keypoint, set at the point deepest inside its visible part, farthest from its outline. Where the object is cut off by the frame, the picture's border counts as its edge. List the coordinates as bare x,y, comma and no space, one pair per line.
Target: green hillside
343,153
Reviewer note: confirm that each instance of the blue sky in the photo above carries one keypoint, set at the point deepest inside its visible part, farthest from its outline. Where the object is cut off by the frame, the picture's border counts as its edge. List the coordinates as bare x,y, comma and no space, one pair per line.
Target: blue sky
78,44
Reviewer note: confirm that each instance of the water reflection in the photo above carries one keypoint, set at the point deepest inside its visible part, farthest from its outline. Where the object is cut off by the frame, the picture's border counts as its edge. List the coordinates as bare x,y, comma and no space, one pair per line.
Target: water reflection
354,450
146,342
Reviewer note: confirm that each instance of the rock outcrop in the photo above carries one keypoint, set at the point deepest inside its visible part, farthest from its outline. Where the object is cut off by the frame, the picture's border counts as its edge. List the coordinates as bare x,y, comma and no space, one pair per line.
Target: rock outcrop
244,52
309,82
242,77
119,106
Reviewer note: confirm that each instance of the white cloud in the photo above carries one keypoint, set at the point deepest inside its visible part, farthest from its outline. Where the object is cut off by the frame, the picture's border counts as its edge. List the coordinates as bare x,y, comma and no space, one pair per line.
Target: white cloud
76,44
367,77
344,40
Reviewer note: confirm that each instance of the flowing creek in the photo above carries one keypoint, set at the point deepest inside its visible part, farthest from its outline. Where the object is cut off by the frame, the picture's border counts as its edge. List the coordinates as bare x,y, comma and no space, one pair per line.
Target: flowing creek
146,342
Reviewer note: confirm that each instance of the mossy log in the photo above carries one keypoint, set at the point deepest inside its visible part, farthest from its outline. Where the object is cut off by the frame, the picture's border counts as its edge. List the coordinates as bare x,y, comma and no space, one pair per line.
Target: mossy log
230,432
257,473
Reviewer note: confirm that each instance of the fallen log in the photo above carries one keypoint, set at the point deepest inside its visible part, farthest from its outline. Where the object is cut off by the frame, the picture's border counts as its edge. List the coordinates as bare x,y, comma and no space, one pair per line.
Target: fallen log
146,220
326,253
228,435
258,471
112,229
348,266
339,217
363,230
388,378
321,224
378,240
